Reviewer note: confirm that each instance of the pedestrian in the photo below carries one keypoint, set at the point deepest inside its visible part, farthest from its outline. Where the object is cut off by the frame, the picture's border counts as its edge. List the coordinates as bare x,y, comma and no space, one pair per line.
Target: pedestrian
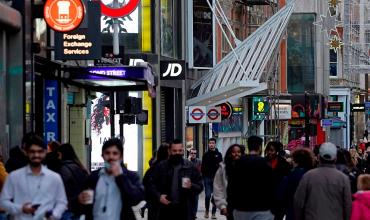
250,188
111,192
152,202
197,163
17,155
51,160
233,153
34,191
175,184
323,193
280,168
3,176
74,175
210,162
303,161
361,200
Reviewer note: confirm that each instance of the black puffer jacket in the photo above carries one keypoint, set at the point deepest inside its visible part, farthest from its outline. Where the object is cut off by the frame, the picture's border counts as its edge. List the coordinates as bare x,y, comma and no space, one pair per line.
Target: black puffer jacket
210,162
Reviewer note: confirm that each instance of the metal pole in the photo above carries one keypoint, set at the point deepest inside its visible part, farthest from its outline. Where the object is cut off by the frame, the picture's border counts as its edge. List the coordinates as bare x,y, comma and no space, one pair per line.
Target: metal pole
115,31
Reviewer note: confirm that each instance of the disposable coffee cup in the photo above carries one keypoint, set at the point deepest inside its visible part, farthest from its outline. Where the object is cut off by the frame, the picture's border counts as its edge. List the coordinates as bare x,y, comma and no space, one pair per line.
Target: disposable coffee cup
90,192
185,181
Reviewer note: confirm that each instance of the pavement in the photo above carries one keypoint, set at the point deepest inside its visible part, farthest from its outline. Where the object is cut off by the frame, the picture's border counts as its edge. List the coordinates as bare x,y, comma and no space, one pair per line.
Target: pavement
200,214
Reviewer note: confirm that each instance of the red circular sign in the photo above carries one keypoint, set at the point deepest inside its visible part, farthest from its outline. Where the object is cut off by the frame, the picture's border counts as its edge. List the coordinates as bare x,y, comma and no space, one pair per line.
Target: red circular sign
226,110
63,15
119,12
213,114
197,114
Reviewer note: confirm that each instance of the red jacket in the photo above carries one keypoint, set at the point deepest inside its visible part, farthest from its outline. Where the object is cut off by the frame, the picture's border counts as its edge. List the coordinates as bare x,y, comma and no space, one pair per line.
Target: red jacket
361,206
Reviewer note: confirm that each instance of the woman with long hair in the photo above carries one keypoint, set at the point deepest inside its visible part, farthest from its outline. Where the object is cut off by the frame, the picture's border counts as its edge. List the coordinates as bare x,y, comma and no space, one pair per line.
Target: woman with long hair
74,175
233,153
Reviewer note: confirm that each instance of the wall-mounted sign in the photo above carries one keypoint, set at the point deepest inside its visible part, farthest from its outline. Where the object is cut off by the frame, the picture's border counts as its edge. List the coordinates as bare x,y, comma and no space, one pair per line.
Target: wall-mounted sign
173,70
108,58
326,122
82,43
335,107
122,11
284,112
51,110
63,15
214,114
197,114
260,107
357,107
226,110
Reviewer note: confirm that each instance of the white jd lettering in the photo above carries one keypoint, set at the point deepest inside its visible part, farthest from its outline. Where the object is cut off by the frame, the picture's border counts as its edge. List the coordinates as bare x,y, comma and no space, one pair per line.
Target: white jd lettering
174,69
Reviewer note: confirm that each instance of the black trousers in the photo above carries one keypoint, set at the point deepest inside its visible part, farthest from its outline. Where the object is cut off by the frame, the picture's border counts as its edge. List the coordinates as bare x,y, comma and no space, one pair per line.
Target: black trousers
174,212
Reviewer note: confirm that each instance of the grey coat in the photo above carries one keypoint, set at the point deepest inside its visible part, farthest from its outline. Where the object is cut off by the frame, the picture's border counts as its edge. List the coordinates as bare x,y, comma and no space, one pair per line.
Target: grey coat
324,193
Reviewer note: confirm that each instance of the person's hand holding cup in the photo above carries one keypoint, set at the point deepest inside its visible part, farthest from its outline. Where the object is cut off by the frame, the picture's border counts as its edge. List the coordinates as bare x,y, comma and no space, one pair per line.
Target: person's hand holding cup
186,183
86,197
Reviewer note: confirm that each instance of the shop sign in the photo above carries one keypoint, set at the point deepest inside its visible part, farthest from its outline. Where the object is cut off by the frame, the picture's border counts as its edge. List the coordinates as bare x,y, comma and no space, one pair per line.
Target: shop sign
173,70
108,58
214,114
51,110
326,122
63,15
226,110
83,43
367,108
284,112
335,107
260,107
357,107
197,114
122,11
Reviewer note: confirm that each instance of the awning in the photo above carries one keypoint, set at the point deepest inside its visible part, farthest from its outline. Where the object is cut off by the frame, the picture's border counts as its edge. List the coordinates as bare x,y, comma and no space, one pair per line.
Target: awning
239,73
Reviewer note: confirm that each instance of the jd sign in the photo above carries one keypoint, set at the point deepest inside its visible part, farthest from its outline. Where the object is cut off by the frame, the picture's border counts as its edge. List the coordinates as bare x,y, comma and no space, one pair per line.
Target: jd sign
119,12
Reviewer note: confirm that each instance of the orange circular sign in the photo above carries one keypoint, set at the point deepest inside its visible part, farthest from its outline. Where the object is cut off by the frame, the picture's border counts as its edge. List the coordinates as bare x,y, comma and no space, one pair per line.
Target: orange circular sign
63,15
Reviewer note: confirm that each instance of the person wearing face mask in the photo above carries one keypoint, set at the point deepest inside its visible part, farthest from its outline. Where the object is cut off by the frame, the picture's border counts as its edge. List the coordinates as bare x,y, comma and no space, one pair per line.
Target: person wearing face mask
111,192
175,183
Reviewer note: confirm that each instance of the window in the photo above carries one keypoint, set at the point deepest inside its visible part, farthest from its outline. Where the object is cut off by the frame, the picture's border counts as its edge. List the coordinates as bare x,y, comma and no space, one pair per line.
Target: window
333,63
301,53
170,18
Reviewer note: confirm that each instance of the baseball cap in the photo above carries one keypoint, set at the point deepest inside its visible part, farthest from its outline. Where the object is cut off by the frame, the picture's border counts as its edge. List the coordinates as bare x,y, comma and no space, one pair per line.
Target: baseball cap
328,151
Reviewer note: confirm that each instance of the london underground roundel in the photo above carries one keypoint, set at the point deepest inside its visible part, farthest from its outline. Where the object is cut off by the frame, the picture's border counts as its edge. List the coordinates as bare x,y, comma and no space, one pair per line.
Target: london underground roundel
63,15
119,12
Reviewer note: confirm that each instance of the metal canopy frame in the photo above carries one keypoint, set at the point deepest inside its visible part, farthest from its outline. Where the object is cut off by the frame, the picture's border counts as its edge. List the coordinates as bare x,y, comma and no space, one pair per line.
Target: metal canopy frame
228,79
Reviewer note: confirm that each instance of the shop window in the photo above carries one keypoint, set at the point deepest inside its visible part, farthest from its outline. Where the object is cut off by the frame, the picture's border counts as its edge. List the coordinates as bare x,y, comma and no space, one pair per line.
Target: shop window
170,26
301,53
225,45
333,63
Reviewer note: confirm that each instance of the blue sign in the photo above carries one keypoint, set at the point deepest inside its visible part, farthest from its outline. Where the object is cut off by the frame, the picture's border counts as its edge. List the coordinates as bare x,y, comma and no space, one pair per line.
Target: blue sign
51,110
326,122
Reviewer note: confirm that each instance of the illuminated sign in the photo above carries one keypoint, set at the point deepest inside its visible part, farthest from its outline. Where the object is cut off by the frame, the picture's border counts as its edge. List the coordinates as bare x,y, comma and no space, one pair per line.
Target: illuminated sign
335,106
84,43
109,72
51,110
357,107
260,108
63,15
226,110
121,11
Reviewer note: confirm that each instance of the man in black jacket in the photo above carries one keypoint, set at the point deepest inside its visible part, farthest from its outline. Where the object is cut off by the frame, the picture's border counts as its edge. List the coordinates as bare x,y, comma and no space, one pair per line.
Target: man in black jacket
176,182
250,185
210,162
116,189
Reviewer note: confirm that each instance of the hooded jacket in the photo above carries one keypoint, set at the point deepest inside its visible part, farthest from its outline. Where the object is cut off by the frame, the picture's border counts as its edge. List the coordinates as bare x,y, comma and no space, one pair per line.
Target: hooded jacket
361,206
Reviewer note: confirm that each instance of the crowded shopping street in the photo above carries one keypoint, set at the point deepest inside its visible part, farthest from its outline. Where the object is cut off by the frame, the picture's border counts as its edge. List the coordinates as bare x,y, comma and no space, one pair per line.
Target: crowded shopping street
184,109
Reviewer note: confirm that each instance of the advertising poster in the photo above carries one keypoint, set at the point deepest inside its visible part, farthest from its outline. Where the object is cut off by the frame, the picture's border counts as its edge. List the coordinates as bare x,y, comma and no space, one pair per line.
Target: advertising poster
101,131
202,34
